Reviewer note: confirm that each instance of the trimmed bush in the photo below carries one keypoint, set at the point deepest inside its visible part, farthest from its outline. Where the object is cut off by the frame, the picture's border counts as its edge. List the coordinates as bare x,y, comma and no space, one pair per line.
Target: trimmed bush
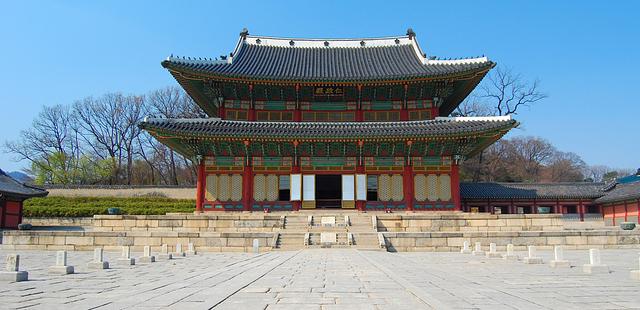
89,206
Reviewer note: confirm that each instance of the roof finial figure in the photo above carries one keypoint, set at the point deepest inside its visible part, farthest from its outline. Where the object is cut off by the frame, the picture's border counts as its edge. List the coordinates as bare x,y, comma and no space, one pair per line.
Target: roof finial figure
244,33
410,33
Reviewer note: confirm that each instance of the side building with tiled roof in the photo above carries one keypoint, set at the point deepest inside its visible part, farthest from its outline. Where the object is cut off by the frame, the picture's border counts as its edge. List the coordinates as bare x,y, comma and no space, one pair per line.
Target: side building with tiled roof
12,194
328,123
616,202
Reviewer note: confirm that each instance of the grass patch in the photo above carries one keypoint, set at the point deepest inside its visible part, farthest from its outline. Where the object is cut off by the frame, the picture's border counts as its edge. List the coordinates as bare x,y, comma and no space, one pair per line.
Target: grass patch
56,206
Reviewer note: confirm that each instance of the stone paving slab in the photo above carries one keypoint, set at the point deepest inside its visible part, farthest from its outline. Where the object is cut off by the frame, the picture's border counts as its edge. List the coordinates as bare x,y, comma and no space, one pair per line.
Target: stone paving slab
325,279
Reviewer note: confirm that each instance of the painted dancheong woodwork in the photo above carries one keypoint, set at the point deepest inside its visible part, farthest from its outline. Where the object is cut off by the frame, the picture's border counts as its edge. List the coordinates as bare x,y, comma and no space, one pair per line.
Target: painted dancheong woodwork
287,132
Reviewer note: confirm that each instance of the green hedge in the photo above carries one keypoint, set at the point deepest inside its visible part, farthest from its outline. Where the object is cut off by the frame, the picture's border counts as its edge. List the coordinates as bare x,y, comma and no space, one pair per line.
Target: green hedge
89,206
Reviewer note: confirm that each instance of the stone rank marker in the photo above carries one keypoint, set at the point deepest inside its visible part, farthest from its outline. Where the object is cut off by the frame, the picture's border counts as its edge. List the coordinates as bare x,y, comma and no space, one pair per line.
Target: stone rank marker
478,250
61,266
465,248
164,253
511,255
635,274
558,258
532,258
98,260
125,258
191,250
493,253
147,258
12,272
179,252
594,265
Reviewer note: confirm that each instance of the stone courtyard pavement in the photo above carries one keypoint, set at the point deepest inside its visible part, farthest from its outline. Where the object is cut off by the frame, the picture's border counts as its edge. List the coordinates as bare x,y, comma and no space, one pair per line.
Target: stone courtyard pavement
325,279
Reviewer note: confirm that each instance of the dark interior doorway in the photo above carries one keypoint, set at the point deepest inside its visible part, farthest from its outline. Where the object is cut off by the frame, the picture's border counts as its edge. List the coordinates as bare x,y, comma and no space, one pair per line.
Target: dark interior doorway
328,191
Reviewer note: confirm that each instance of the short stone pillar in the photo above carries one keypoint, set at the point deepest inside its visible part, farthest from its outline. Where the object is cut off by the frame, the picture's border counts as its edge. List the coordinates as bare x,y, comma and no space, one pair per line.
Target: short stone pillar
125,258
466,249
493,253
256,246
477,251
511,255
164,253
635,274
12,271
178,252
558,258
147,258
191,250
61,264
532,257
595,265
98,260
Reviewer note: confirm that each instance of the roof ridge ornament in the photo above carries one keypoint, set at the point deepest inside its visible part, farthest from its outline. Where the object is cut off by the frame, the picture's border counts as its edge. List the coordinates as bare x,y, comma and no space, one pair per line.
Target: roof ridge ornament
244,33
410,33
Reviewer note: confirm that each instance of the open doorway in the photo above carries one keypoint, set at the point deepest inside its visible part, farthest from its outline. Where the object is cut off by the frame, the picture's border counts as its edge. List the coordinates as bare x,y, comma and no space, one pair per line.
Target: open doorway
328,191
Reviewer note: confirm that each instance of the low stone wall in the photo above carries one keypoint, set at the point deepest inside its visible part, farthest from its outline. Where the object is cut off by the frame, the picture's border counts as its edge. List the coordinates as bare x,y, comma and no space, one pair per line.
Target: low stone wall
188,223
469,222
452,241
59,221
112,241
168,192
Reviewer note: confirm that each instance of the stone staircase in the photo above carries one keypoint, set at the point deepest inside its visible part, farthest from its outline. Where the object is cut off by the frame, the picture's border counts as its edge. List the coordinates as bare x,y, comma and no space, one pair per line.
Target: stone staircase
352,230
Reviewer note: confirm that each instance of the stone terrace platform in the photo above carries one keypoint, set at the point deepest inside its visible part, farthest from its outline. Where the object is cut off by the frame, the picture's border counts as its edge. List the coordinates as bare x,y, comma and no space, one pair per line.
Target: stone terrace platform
301,230
326,279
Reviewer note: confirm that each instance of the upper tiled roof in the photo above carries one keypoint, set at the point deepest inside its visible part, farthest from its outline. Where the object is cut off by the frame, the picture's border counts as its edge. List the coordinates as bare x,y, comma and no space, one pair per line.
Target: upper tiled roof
490,190
328,60
215,127
13,188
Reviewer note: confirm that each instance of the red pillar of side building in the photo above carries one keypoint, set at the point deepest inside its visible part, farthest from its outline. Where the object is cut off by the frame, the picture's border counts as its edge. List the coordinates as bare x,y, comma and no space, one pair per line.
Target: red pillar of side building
200,185
455,187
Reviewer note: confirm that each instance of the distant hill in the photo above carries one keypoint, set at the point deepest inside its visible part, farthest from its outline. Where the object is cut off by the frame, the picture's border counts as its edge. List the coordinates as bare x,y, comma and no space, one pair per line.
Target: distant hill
20,176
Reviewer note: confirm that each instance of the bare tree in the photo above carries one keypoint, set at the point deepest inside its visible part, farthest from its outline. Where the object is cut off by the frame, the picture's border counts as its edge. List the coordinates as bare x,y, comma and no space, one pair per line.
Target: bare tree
565,167
51,136
506,91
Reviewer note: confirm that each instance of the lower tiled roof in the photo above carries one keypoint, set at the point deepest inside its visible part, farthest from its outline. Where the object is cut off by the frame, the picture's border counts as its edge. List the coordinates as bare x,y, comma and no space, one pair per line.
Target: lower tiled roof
490,190
215,127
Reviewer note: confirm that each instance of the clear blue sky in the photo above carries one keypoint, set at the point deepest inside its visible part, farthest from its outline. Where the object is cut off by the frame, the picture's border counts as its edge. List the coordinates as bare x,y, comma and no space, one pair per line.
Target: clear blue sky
585,52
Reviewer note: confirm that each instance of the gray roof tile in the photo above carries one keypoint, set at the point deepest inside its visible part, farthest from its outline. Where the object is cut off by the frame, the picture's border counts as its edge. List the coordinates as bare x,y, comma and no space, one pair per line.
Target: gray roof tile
212,127
621,192
491,190
13,188
338,62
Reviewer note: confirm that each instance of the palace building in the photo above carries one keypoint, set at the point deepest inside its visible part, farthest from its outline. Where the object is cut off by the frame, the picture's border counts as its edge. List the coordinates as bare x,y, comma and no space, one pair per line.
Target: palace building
328,123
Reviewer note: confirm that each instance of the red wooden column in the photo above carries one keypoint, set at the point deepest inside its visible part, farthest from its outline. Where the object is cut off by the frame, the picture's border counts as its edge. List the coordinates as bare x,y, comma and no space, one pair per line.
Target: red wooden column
404,111
455,186
247,183
359,113
408,186
626,212
251,114
297,113
581,210
200,185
